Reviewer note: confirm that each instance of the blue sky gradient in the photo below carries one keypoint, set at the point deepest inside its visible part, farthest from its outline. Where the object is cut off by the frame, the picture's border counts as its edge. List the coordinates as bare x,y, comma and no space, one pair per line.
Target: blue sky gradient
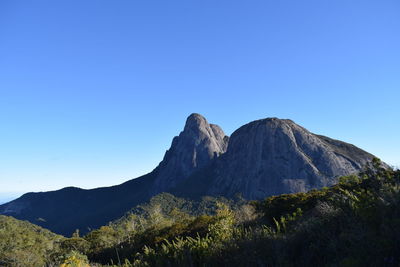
92,92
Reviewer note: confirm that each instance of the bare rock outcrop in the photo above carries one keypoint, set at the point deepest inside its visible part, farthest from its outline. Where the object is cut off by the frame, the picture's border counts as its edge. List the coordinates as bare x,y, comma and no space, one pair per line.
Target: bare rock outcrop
274,156
198,144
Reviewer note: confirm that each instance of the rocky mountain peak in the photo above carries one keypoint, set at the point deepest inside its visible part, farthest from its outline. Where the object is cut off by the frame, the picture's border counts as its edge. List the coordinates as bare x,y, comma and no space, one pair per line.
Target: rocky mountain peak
194,122
274,156
195,147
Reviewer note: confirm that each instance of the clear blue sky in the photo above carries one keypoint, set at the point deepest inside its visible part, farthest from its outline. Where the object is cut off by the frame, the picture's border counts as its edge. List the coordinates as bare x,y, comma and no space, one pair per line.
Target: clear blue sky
92,92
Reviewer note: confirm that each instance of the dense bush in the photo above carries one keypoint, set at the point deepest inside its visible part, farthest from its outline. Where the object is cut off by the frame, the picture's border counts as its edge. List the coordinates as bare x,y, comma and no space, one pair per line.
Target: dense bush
25,244
355,223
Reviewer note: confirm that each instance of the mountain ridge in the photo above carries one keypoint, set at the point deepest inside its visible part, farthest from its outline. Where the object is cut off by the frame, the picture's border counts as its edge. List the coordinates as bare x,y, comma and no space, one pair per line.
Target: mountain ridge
261,158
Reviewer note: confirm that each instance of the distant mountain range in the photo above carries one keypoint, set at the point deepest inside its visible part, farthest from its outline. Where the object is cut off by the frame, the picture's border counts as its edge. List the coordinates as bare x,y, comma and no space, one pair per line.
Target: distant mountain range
262,158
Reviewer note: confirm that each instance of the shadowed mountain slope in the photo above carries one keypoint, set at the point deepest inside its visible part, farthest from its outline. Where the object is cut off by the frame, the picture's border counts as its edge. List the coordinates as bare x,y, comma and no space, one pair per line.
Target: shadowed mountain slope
63,211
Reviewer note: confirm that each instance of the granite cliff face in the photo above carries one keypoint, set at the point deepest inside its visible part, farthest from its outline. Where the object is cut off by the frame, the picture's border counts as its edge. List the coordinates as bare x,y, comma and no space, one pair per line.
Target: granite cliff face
273,156
262,158
198,144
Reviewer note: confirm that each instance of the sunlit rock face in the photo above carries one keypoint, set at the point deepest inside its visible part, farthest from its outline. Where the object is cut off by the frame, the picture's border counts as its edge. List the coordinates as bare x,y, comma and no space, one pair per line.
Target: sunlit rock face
198,144
274,156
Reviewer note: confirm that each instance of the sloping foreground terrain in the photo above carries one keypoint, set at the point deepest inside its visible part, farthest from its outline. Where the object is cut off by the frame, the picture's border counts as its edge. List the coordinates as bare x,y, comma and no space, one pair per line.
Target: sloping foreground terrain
263,158
353,223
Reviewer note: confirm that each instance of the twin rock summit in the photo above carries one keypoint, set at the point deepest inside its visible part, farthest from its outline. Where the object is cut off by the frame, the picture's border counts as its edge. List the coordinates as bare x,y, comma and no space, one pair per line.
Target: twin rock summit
262,158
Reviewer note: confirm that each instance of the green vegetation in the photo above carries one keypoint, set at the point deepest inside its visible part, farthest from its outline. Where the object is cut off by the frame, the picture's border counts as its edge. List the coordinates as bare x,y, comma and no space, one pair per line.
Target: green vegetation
354,223
25,244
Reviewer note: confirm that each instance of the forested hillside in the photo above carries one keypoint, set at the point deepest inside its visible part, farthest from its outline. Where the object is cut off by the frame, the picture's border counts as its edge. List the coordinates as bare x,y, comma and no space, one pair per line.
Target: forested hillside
354,223
24,244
